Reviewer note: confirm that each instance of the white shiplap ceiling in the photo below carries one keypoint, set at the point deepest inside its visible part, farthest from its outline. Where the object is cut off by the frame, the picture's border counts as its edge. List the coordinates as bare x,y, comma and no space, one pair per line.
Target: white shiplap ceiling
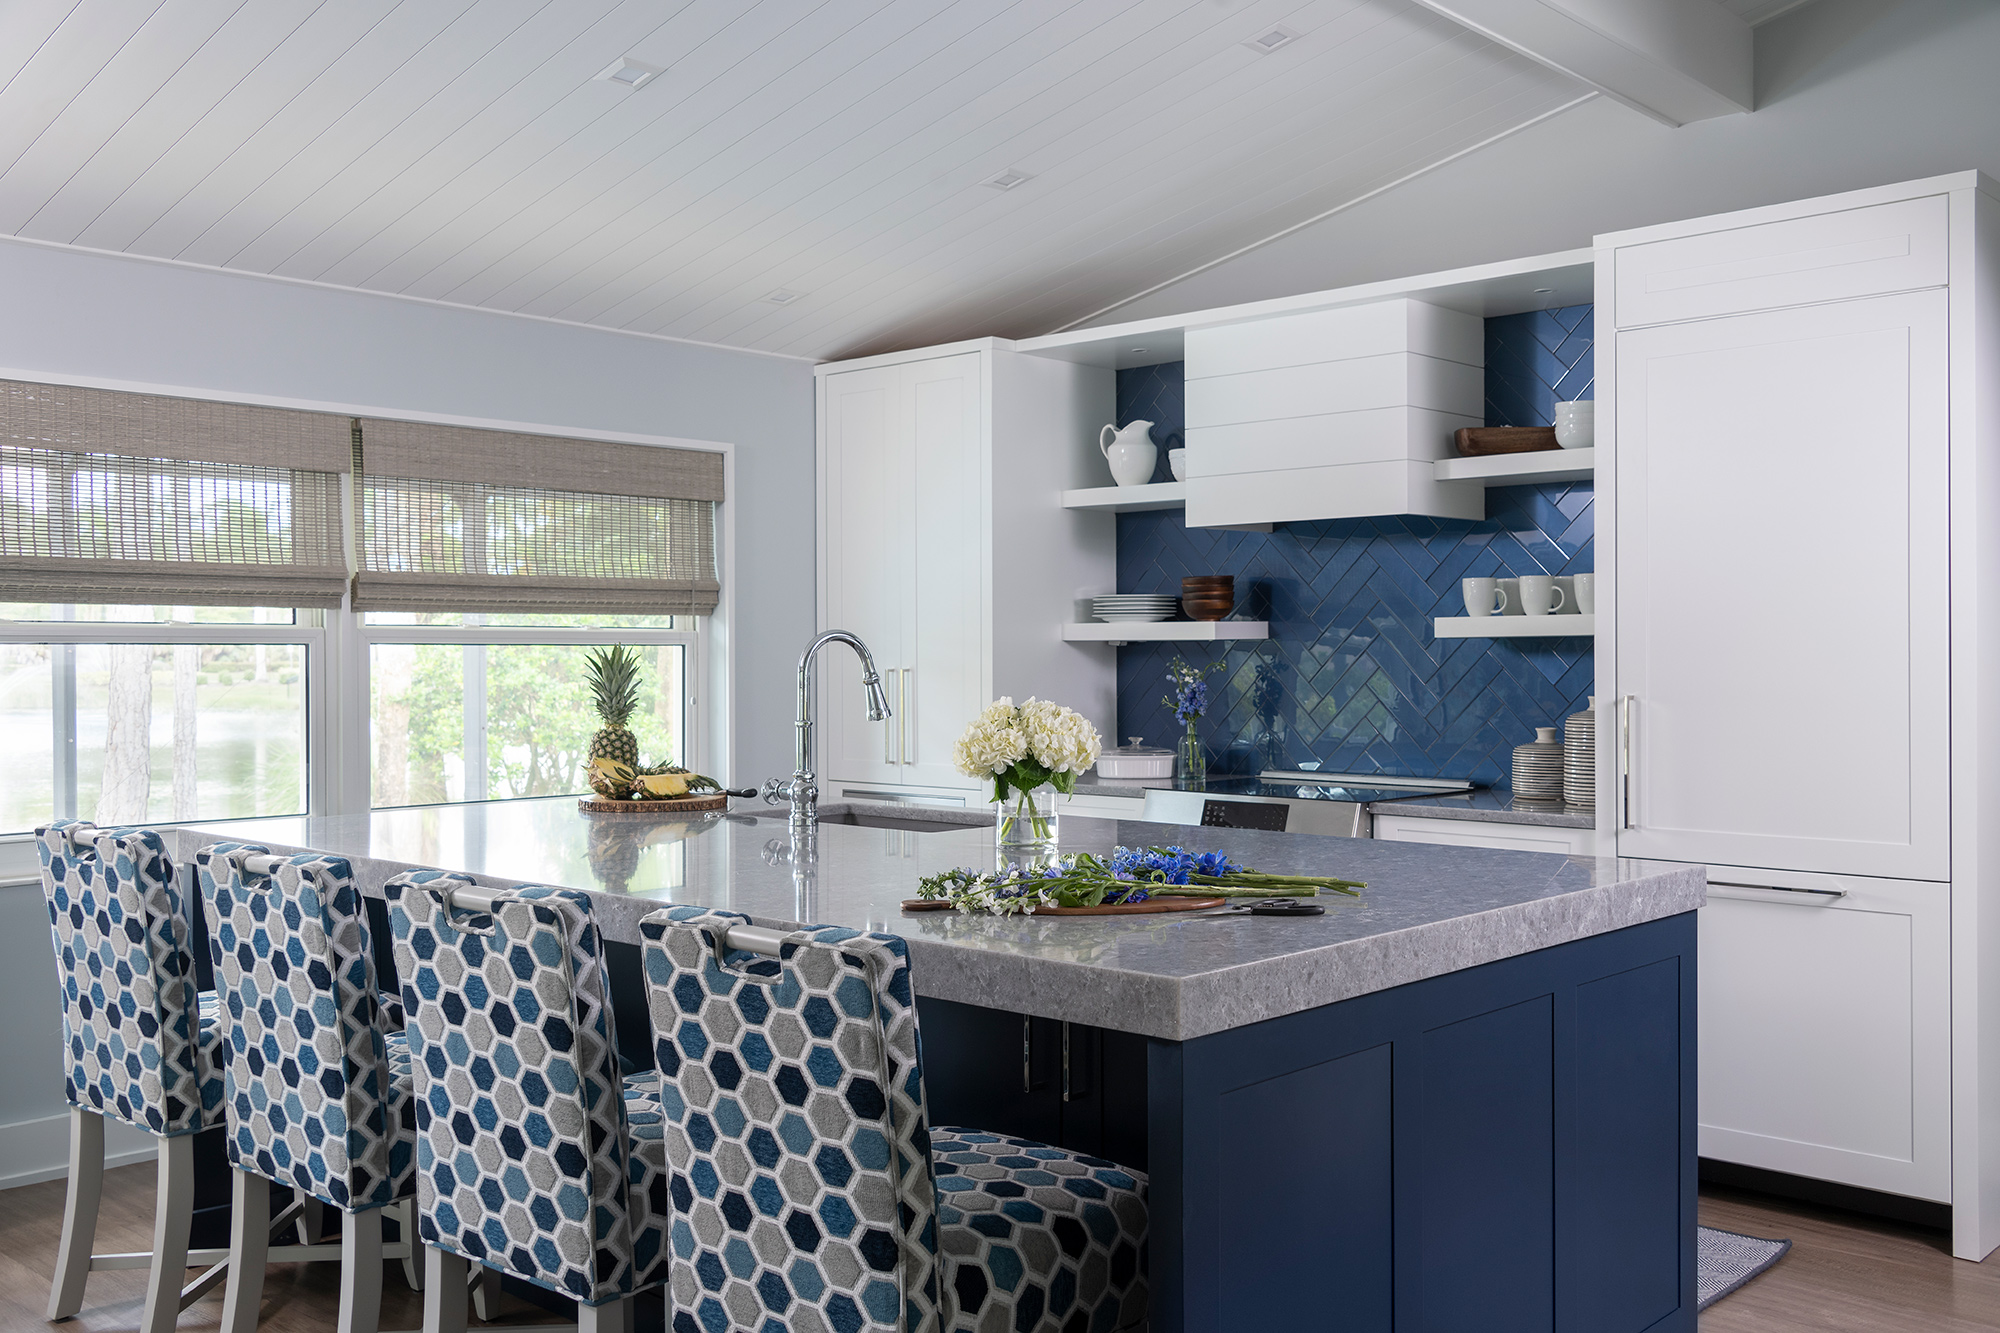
463,150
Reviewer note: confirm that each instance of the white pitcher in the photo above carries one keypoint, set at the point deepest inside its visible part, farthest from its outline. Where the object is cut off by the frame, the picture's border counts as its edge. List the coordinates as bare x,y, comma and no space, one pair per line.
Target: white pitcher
1131,452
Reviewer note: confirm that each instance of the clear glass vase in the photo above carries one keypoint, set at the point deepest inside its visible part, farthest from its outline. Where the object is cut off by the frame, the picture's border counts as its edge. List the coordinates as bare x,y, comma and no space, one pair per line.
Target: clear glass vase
1024,825
1192,768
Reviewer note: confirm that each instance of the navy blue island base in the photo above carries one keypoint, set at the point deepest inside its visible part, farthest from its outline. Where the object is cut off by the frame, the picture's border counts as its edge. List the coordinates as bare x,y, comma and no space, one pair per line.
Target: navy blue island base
1509,1147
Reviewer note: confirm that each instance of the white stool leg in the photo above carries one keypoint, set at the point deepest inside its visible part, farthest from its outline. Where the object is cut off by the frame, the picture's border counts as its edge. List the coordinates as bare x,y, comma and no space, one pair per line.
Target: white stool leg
486,1294
413,1262
312,1218
173,1212
444,1291
249,1242
611,1317
361,1272
79,1229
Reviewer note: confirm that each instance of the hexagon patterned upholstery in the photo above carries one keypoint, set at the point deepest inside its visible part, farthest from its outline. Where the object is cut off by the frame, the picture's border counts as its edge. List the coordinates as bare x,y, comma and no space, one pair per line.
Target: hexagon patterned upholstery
142,1046
802,1165
524,1160
314,1097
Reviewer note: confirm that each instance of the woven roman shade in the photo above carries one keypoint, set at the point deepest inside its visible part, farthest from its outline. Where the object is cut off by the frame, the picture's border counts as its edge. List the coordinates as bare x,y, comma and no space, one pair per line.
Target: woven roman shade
456,519
140,499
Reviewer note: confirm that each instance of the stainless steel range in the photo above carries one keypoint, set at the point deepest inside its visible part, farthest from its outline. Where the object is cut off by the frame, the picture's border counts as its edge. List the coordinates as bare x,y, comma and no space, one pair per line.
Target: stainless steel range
1293,801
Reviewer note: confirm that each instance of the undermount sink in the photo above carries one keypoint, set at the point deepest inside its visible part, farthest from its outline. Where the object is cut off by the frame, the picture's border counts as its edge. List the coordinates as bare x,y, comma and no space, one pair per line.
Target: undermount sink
856,819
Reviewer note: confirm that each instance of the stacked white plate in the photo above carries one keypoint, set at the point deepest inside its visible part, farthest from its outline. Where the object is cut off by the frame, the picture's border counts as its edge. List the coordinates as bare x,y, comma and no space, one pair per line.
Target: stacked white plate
1135,606
1580,757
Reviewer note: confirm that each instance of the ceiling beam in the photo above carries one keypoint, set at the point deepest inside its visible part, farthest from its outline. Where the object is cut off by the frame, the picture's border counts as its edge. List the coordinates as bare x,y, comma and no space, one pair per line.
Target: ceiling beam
1674,60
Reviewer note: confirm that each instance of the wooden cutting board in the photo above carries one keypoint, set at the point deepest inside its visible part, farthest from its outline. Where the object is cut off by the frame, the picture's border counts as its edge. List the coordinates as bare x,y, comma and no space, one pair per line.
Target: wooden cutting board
1151,906
684,805
1479,441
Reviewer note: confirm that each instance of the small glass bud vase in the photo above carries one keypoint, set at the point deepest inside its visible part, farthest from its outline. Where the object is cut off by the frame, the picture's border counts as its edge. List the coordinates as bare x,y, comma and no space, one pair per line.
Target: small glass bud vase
1024,824
1192,770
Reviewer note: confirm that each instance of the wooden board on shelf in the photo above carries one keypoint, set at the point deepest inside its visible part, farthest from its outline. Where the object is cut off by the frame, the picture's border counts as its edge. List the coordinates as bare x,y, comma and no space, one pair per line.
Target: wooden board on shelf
1520,469
1167,631
1514,627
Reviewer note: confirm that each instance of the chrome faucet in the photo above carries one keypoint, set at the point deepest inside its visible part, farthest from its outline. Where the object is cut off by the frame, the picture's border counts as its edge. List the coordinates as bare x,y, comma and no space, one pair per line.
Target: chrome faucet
802,790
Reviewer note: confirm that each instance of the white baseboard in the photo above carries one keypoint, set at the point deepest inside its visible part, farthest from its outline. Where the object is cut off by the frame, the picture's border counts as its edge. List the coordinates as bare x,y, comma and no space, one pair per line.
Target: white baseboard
32,1151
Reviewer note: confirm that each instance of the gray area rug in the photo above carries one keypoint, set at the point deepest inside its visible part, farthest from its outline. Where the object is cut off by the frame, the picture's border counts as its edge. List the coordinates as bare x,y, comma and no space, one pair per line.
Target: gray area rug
1724,1261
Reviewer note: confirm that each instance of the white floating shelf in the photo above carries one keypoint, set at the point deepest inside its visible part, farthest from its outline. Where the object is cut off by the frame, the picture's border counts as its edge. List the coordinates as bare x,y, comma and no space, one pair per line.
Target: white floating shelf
1129,499
1518,469
1515,627
1168,631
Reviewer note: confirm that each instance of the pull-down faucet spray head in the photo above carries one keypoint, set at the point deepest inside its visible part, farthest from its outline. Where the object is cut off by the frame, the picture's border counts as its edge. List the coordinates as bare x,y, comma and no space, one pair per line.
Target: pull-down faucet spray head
878,699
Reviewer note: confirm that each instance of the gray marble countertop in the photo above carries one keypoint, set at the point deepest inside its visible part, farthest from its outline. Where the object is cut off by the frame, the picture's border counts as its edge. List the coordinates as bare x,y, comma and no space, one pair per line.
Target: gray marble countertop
1492,805
1427,910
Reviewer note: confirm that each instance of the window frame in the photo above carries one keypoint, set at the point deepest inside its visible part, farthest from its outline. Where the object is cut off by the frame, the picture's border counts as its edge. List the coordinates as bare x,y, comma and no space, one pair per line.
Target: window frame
308,630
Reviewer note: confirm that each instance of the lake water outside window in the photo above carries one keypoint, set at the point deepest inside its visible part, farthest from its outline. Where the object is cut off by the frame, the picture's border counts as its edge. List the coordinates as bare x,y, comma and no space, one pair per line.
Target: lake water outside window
208,723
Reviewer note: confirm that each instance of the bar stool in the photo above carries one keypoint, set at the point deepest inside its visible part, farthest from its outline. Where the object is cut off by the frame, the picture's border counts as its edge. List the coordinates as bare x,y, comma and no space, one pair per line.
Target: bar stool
806,1185
143,1048
525,1163
318,1093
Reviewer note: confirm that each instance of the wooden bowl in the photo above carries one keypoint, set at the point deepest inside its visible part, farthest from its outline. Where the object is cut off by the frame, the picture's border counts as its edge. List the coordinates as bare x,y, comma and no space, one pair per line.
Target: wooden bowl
1207,610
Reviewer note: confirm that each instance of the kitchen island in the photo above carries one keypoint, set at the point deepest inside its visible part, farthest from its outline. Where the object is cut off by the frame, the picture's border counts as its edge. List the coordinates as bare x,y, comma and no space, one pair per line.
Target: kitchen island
1462,1100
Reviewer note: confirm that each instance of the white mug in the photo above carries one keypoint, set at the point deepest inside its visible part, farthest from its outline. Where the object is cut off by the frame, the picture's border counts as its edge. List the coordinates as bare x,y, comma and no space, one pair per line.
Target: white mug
1540,594
1576,424
1586,594
1480,595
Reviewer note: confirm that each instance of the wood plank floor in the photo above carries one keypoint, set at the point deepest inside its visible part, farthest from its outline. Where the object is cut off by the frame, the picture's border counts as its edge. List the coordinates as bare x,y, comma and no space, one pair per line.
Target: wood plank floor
1848,1274
1845,1274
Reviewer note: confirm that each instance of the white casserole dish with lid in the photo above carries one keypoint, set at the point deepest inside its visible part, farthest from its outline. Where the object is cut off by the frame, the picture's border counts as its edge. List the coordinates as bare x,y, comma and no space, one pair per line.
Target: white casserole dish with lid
1136,762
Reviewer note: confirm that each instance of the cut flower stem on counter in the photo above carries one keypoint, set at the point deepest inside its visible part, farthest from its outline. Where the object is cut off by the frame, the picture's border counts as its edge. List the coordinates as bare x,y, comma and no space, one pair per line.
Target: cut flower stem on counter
1131,875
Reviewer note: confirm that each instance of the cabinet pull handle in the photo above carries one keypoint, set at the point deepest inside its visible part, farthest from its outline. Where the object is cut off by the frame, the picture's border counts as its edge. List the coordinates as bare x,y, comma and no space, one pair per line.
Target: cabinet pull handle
1625,758
909,730
1065,1061
1811,894
1027,1054
889,739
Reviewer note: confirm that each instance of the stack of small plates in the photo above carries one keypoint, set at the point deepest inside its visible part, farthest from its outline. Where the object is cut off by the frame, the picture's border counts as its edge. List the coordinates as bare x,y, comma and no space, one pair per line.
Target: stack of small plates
1538,768
1135,606
1580,757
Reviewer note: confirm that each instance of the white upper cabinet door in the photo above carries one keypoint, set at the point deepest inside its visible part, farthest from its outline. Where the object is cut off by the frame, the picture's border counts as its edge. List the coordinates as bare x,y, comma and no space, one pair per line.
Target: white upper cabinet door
1782,580
943,685
1827,257
866,537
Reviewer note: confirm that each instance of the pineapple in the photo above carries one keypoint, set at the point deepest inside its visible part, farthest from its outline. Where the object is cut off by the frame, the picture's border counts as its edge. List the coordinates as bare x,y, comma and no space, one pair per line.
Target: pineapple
613,676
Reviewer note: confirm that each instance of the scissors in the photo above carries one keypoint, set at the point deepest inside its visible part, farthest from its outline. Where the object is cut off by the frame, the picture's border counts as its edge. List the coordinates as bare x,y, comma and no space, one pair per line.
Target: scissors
1268,907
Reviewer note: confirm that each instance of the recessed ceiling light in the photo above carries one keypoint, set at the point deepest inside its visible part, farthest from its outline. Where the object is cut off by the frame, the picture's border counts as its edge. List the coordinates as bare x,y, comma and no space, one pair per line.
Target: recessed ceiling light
630,73
1008,179
1545,291
1138,349
1276,39
783,296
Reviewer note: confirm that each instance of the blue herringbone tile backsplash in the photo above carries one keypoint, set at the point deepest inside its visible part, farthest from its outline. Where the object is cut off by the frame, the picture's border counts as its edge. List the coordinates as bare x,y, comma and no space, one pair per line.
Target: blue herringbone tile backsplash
1351,675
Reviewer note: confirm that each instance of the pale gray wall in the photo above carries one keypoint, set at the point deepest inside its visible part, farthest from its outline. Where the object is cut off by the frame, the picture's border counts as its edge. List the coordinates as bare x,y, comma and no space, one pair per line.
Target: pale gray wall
1851,93
77,313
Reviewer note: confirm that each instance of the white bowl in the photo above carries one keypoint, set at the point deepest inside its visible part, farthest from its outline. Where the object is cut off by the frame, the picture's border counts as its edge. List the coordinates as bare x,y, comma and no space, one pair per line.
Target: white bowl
1576,424
1177,460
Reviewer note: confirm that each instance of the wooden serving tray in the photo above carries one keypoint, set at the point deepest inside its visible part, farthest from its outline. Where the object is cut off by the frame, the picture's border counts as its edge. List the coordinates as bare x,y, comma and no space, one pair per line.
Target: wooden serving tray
1479,441
1152,906
680,805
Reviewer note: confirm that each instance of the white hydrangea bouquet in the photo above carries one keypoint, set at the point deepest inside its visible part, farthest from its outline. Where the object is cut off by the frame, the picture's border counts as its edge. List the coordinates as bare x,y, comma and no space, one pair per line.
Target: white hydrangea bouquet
1024,749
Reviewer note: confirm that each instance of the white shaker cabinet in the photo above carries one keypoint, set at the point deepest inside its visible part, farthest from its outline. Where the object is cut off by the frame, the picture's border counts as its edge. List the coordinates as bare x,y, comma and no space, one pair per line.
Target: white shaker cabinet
941,546
1784,623
1798,627
1824,1032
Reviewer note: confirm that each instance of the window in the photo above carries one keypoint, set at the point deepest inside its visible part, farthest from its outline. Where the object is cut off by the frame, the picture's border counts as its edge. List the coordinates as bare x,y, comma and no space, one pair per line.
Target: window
149,714
472,711
331,613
